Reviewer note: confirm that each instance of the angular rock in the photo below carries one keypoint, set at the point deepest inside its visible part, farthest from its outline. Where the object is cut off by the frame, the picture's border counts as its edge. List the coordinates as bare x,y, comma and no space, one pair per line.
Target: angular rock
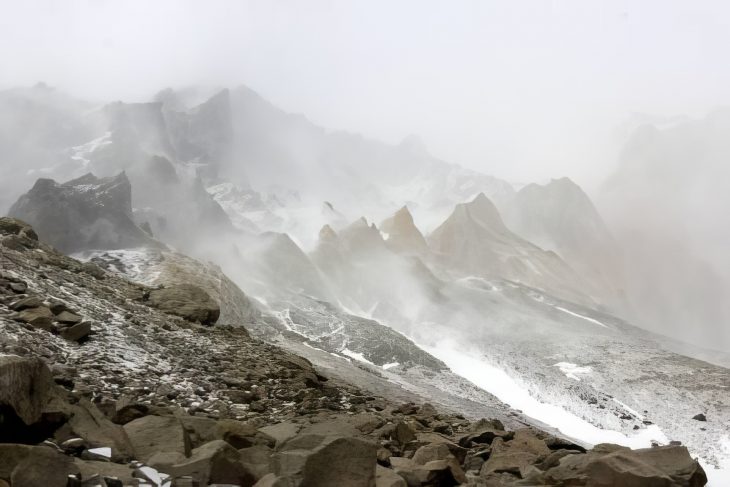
25,303
40,317
317,461
214,462
153,434
650,467
385,477
281,432
187,301
45,467
257,460
77,333
108,470
89,423
14,226
26,386
68,318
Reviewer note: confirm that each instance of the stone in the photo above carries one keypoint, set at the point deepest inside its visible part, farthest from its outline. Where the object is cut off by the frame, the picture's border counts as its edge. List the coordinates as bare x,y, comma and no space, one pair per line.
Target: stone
327,461
40,317
257,460
76,333
214,462
89,469
385,477
650,467
281,432
187,301
428,453
403,433
237,433
68,318
44,466
11,455
152,434
164,460
14,226
26,386
89,423
699,417
25,303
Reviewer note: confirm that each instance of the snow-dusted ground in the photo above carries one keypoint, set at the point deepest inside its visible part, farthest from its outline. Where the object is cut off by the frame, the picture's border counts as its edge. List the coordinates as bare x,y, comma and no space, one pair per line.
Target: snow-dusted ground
472,366
488,377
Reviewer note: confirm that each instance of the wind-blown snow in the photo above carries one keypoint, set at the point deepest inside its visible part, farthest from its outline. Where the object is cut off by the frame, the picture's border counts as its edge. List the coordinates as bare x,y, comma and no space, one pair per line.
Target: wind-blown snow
571,371
719,476
472,367
357,356
581,316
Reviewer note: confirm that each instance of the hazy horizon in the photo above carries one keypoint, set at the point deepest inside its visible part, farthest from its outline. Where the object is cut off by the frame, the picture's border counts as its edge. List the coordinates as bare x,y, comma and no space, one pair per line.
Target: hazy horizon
521,90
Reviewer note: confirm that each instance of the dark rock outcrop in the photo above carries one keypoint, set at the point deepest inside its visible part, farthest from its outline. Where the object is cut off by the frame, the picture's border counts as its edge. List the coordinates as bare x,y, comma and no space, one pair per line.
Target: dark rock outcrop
84,213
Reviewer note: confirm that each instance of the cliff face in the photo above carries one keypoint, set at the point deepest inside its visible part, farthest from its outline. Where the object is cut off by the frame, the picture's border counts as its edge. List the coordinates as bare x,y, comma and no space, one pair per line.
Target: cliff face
85,213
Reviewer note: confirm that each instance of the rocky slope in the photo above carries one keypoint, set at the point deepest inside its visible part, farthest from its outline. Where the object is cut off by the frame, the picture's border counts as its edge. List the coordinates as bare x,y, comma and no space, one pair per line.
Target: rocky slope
104,385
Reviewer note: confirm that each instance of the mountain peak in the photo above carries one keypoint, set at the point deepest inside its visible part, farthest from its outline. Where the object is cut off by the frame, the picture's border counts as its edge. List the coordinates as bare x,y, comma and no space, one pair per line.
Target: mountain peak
402,235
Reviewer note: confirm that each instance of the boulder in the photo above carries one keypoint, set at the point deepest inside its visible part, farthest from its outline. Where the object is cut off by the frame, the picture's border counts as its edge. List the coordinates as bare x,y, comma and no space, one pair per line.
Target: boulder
26,386
153,434
257,460
89,423
68,318
187,301
699,417
89,469
215,462
25,303
322,461
650,467
40,317
77,332
385,477
13,226
45,466
446,472
11,455
237,433
281,432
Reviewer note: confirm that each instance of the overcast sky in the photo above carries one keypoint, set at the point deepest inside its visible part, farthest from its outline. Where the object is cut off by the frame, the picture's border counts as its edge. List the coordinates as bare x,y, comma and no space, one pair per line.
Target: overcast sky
523,90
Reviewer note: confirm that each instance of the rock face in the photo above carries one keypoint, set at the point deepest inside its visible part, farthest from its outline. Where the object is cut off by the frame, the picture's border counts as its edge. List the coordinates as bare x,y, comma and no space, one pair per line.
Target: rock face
187,301
85,213
559,216
475,241
25,386
402,235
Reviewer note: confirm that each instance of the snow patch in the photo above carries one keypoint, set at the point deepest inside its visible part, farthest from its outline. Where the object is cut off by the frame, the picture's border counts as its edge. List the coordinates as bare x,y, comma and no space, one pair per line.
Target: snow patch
580,316
571,371
471,366
357,356
390,365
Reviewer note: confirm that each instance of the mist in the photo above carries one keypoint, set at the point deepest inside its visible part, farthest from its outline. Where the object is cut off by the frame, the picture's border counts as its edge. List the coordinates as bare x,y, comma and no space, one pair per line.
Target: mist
522,90
527,197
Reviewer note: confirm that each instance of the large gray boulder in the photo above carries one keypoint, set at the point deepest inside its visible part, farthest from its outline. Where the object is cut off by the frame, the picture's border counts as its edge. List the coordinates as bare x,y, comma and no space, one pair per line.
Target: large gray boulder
187,301
153,434
26,386
327,461
216,462
609,466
